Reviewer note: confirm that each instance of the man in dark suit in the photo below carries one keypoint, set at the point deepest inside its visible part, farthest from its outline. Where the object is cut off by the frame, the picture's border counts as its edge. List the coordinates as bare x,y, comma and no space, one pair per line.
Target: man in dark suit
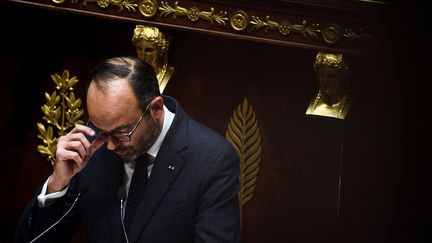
179,179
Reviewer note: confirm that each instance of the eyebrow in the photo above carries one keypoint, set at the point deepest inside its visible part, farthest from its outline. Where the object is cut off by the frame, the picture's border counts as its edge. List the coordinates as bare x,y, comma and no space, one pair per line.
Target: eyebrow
115,130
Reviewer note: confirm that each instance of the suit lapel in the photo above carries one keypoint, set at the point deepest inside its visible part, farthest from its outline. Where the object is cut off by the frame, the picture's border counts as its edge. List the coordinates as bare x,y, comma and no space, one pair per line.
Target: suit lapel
164,173
115,223
112,173
167,166
104,173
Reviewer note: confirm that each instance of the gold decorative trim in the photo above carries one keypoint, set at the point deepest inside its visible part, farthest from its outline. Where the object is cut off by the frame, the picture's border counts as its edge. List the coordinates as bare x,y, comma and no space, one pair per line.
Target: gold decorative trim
61,112
58,1
193,13
352,36
239,20
130,5
331,33
243,133
148,8
285,27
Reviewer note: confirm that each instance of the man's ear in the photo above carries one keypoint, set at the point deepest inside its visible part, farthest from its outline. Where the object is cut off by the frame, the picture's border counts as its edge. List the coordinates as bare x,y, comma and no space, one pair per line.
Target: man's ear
156,107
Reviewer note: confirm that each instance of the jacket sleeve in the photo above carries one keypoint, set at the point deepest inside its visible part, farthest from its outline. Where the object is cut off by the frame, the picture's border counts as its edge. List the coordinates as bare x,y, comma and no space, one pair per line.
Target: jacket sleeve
35,220
218,218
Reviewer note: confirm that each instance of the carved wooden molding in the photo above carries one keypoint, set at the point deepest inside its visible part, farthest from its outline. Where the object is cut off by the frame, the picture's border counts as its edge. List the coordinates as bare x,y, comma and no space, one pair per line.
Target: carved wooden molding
321,28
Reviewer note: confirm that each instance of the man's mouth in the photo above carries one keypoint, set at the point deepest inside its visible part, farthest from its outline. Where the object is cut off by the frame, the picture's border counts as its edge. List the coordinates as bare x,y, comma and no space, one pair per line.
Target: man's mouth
120,152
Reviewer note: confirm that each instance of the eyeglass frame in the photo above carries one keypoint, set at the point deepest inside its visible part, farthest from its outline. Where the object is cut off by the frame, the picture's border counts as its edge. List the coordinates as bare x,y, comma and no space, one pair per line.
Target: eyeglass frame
106,135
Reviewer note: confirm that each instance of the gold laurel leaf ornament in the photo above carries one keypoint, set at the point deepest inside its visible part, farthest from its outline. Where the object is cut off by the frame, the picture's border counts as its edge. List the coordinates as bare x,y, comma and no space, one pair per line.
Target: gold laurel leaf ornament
60,112
244,134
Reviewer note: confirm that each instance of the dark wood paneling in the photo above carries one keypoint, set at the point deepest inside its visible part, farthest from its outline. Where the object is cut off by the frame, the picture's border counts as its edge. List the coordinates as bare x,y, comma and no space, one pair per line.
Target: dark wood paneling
296,196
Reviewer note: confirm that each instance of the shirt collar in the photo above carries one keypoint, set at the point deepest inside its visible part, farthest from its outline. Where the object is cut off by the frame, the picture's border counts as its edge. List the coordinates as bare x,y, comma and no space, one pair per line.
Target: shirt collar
168,119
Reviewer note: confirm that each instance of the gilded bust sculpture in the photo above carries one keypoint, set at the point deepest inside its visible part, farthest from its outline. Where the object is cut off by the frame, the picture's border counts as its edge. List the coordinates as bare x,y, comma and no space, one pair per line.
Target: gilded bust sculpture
152,47
332,99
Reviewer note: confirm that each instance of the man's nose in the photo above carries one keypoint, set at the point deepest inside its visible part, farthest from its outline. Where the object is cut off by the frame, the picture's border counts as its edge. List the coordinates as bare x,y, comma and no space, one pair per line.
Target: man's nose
111,143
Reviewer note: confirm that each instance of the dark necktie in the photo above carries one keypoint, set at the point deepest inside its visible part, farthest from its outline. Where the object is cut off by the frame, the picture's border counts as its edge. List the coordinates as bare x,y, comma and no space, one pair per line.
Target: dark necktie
137,187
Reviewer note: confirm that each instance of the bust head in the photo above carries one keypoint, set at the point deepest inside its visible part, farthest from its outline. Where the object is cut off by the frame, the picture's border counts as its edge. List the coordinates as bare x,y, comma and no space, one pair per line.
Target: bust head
332,99
151,45
332,75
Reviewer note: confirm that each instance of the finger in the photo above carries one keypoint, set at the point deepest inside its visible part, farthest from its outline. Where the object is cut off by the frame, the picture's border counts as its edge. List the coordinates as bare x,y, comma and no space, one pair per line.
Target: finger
83,129
76,146
95,145
71,156
81,138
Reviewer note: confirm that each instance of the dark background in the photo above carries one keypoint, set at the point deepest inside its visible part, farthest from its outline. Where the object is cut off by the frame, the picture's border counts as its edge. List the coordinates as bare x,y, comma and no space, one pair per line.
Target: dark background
381,146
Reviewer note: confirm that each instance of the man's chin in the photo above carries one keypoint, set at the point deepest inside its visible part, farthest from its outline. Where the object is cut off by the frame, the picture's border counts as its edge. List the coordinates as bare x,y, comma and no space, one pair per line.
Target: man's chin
124,155
127,157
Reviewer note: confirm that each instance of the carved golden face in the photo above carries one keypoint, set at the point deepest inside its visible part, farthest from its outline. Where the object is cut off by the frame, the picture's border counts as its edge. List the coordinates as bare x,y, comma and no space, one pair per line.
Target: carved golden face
148,52
331,80
151,45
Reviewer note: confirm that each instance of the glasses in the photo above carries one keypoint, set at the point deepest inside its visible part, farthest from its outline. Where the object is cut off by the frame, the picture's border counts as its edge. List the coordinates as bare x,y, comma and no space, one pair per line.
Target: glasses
117,136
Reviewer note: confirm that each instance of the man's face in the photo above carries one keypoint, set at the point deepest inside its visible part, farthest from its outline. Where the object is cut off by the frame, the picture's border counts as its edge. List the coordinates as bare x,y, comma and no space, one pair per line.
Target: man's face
115,109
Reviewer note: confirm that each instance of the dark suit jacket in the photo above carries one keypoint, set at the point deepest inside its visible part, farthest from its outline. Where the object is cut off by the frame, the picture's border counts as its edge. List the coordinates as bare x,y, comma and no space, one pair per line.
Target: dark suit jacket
194,202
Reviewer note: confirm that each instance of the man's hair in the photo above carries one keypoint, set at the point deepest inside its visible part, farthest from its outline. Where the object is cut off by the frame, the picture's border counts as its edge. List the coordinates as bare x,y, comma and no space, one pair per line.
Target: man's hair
140,75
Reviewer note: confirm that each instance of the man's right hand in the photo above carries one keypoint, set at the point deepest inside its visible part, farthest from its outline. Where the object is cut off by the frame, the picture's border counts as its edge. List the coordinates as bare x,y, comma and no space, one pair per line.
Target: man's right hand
72,155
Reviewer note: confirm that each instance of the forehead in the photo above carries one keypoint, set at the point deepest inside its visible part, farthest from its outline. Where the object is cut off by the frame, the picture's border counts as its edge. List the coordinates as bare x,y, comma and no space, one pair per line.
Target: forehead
111,102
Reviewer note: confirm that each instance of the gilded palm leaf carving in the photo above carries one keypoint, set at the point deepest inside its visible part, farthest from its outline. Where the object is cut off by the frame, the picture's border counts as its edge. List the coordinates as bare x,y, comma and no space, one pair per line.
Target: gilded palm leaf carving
243,133
61,112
